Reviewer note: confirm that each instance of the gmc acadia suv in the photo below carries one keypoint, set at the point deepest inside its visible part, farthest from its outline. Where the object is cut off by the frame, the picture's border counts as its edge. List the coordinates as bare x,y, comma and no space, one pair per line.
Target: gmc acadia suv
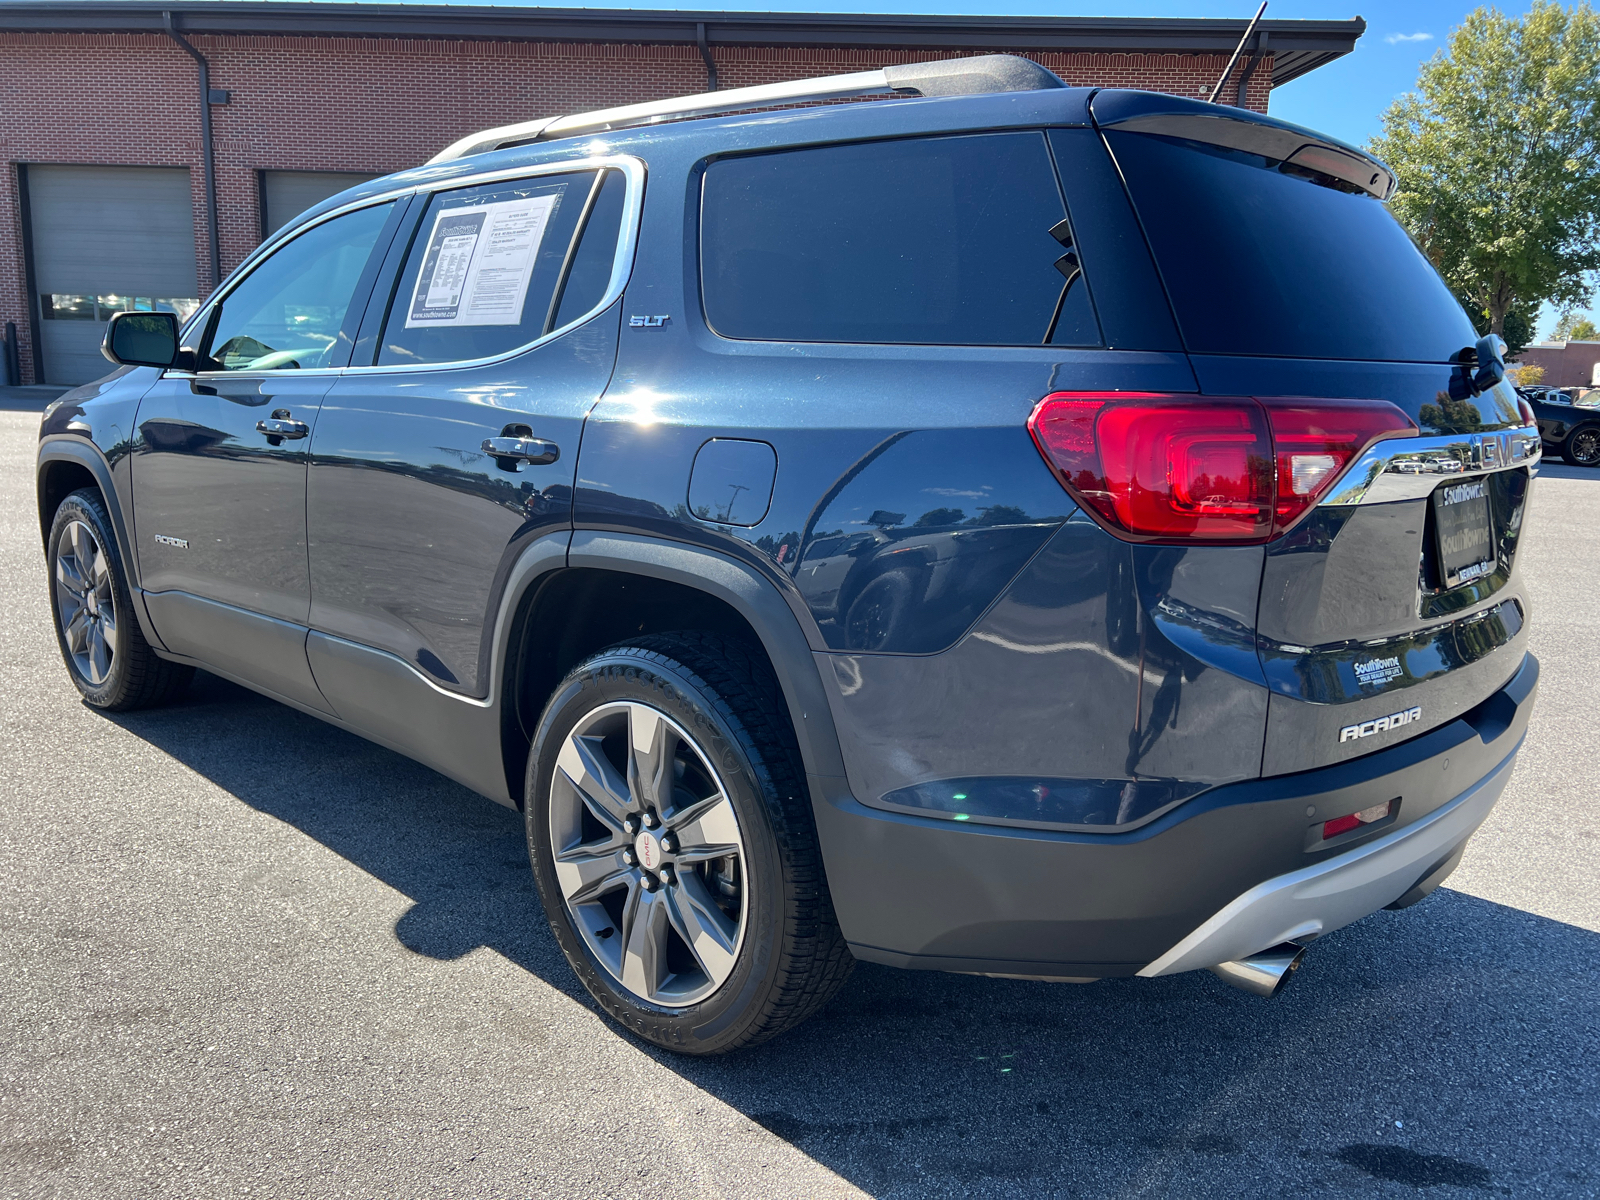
1002,528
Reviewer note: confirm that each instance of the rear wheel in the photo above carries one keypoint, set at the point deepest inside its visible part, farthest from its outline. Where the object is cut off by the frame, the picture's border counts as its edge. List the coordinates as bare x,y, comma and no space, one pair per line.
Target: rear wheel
674,849
106,654
1582,447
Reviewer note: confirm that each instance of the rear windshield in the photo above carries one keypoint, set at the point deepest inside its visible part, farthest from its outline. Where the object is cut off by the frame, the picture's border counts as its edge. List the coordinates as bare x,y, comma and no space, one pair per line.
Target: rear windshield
1260,259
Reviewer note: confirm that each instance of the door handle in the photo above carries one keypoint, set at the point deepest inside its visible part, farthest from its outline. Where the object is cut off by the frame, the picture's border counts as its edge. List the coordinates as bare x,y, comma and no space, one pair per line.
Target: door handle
509,451
280,429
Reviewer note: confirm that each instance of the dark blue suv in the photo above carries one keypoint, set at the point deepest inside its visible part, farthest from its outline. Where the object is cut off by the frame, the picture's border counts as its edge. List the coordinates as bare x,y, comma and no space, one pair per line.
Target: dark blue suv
1000,528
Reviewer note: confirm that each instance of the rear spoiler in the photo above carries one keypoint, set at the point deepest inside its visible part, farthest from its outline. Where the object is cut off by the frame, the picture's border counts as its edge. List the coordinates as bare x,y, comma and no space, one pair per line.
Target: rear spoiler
1239,129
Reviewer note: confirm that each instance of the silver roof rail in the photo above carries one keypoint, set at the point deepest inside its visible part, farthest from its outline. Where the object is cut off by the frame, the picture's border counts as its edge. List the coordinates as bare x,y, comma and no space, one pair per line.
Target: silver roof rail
946,77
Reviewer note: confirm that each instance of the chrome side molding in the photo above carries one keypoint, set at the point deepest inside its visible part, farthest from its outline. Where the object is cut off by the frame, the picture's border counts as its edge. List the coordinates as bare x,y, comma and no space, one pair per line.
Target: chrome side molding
1410,468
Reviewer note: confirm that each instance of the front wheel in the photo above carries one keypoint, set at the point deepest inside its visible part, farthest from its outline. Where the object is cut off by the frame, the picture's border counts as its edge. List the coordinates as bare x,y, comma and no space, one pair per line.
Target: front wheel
674,849
107,657
1582,447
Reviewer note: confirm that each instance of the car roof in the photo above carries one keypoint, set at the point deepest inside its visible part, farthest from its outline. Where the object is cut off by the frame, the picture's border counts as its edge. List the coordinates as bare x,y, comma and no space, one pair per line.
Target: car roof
741,132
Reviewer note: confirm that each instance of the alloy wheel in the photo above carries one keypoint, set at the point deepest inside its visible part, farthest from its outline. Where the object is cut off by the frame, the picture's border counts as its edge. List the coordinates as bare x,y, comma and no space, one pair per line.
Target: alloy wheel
1586,447
648,854
86,602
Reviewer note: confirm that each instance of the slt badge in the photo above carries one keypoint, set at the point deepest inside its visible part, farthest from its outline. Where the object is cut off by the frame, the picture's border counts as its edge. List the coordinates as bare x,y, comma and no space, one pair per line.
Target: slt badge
647,322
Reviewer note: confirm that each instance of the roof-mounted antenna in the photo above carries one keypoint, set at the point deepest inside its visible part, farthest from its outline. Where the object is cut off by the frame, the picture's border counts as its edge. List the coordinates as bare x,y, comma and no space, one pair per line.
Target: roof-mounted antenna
1238,50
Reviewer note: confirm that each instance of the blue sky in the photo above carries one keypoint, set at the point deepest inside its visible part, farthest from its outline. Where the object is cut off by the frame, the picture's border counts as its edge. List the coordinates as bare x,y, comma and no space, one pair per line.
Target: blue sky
1345,98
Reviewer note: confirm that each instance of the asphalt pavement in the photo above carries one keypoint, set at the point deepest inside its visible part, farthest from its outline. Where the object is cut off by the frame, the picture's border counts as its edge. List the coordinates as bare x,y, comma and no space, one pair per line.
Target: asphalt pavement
243,953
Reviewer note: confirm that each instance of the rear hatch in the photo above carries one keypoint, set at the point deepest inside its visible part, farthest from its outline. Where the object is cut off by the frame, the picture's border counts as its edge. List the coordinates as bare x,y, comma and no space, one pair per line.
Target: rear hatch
1394,605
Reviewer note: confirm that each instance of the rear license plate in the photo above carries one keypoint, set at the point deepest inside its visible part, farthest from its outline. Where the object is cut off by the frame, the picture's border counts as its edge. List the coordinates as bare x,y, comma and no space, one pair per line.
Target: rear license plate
1464,533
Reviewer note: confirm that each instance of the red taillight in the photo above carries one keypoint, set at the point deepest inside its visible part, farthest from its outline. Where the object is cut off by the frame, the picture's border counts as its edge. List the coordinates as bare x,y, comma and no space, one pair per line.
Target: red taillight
1367,816
1528,417
1317,439
1157,467
1182,469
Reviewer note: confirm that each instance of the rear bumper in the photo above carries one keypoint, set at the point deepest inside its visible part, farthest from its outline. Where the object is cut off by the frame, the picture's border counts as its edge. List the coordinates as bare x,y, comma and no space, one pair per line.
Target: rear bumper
1234,870
1319,899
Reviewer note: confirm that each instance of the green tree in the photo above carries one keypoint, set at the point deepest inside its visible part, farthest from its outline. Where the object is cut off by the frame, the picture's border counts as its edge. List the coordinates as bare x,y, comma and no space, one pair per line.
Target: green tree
1574,328
1516,330
1497,158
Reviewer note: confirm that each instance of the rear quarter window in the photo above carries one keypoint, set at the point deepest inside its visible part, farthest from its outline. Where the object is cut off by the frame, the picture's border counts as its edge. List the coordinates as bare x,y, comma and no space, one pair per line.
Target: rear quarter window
1259,258
949,240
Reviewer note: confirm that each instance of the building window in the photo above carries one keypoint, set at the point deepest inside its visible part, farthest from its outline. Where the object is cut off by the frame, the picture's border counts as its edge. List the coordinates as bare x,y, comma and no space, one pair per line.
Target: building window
68,306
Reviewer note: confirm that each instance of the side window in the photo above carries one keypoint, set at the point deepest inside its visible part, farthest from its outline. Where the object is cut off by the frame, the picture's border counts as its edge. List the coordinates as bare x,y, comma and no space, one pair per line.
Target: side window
596,254
287,313
948,240
490,266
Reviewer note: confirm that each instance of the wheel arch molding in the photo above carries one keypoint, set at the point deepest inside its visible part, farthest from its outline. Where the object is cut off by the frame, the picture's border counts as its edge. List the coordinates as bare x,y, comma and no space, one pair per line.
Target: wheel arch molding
65,465
664,576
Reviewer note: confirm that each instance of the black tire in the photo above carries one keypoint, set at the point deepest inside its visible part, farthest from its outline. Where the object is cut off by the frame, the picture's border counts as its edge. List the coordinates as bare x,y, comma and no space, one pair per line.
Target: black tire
131,675
1582,447
791,958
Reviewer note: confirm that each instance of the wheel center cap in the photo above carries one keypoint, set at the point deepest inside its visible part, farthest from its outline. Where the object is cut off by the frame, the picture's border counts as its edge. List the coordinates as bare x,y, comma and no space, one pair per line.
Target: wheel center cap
648,849
94,604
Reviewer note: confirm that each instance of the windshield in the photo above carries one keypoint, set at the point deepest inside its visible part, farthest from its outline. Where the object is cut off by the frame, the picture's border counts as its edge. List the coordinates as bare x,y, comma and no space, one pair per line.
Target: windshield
1265,258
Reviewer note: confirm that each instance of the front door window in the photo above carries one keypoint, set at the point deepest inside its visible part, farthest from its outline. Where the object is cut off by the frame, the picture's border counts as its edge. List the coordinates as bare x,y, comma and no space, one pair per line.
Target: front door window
288,313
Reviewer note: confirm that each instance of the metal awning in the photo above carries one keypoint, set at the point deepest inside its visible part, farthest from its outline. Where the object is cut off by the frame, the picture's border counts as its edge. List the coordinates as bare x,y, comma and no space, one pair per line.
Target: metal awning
1297,46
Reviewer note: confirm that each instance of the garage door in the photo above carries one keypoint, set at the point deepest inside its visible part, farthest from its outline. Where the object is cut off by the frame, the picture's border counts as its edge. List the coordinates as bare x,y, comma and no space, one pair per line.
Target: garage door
106,239
287,194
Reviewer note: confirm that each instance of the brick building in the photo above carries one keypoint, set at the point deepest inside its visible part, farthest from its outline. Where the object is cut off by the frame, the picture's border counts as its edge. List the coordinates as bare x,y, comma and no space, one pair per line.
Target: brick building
1566,364
104,201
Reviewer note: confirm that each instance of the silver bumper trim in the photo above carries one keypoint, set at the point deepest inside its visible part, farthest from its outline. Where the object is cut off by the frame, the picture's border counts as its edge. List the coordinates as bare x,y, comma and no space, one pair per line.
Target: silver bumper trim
1330,895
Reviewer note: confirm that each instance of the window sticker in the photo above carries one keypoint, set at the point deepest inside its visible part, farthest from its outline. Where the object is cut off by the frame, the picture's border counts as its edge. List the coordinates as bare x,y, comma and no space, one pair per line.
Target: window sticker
479,264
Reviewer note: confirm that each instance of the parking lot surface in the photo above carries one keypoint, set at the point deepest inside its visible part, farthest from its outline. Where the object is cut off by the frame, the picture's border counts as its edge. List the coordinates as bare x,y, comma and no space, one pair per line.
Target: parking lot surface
243,953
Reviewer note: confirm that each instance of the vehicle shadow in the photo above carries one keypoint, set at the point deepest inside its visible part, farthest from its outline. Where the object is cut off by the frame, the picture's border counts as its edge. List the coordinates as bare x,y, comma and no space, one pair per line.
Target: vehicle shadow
1448,1047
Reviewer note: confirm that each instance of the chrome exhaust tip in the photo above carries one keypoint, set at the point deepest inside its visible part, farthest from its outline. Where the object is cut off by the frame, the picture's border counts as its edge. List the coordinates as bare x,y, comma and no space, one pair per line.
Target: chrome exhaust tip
1263,974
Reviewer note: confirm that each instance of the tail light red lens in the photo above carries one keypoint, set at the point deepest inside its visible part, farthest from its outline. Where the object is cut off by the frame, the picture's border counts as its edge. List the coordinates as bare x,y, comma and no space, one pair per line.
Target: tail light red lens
1156,467
1367,816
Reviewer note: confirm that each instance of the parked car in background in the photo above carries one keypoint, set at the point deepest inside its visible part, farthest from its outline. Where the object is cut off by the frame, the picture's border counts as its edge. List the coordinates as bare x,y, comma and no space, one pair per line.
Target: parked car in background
1569,423
1003,528
1553,395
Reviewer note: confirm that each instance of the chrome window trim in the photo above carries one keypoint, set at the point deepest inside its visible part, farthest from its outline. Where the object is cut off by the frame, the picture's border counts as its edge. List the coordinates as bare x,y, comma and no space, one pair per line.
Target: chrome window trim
1410,468
633,172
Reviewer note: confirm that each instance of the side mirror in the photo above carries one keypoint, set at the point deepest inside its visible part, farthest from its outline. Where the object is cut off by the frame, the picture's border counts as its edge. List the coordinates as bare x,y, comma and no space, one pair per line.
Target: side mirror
142,339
